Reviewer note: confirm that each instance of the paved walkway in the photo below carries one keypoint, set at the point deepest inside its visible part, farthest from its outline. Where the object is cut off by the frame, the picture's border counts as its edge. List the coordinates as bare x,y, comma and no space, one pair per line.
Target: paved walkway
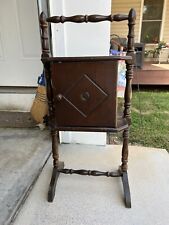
83,200
23,153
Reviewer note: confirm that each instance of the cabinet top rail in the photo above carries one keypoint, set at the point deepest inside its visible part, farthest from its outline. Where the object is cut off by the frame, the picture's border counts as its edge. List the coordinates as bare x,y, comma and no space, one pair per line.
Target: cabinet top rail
86,58
87,18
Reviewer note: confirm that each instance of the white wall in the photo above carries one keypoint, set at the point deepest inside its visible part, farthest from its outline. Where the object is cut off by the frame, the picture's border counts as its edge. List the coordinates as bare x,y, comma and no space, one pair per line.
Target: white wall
93,138
58,30
87,38
123,7
81,40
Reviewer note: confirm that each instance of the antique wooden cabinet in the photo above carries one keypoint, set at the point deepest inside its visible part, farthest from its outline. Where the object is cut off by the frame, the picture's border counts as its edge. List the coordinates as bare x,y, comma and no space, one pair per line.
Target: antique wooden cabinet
82,95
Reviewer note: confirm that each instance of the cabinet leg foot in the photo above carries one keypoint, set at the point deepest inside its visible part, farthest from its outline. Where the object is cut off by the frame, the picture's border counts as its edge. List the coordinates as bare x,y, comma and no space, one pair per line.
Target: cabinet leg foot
53,182
127,197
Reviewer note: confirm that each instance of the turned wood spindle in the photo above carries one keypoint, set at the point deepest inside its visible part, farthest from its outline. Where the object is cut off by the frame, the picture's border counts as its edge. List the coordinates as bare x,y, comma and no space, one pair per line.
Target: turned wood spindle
129,65
128,90
44,35
87,18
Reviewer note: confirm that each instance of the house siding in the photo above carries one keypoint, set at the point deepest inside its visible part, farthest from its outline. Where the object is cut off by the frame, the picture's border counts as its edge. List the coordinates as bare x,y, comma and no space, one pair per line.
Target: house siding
123,6
166,23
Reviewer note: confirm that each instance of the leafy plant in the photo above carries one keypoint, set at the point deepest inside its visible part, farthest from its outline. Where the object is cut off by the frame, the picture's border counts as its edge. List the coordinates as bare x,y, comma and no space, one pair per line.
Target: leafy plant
156,51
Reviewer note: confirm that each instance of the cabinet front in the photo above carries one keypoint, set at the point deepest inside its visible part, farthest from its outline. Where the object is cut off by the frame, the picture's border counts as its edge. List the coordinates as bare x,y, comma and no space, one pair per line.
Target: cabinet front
85,93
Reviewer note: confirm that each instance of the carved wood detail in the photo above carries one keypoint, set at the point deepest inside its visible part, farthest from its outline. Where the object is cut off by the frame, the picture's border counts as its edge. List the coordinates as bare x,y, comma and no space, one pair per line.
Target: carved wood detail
55,152
128,89
90,172
44,35
86,18
124,159
129,65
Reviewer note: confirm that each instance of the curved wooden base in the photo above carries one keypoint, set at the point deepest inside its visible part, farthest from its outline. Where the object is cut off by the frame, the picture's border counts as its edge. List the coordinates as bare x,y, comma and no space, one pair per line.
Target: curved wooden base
119,173
127,197
53,182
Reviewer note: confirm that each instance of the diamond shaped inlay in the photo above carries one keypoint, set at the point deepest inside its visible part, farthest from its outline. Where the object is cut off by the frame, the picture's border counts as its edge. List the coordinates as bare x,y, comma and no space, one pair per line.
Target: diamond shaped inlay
85,95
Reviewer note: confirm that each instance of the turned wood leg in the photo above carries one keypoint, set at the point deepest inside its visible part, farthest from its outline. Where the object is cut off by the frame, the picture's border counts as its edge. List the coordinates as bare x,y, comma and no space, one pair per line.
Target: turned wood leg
125,150
123,168
55,152
56,166
127,197
53,182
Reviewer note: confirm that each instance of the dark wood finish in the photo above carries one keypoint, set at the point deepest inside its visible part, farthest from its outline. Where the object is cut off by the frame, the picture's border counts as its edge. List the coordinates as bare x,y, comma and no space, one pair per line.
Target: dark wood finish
85,78
55,152
125,149
86,18
127,196
82,95
129,65
122,124
128,89
95,173
44,35
86,59
46,54
53,182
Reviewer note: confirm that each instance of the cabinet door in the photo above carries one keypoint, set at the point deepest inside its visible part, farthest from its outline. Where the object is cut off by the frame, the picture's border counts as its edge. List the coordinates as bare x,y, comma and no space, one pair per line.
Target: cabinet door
85,93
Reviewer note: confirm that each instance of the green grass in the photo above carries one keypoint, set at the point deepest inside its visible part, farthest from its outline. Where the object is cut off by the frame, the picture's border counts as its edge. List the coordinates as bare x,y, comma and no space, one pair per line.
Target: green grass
150,119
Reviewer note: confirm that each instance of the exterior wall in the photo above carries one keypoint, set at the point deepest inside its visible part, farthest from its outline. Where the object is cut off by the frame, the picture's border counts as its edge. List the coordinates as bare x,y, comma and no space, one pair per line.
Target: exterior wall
74,39
123,6
58,30
165,35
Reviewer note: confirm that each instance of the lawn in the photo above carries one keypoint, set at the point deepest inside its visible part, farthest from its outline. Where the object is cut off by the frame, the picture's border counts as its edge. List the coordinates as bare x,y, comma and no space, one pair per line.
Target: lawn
150,119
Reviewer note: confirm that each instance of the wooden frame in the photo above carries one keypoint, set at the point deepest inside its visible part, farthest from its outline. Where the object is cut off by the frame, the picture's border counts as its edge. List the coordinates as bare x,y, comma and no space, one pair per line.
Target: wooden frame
48,61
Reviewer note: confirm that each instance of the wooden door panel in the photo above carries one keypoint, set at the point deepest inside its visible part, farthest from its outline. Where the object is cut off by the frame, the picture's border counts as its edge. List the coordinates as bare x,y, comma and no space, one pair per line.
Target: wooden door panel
83,95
